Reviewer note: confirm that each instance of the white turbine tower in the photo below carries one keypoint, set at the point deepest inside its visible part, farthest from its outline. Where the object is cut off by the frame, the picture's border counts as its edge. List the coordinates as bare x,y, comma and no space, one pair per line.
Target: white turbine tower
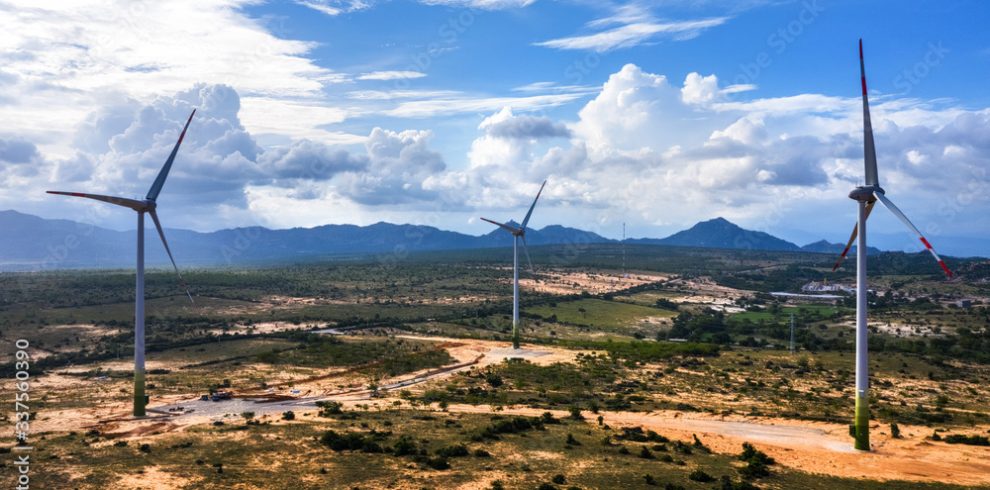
518,233
147,205
866,196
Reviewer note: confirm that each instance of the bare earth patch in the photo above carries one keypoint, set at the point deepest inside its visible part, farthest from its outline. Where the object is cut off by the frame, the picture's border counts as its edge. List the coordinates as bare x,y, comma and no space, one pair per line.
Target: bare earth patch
565,282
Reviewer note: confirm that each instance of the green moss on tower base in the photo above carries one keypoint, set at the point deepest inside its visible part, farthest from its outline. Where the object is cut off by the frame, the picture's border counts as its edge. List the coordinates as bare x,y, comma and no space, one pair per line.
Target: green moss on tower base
862,423
139,399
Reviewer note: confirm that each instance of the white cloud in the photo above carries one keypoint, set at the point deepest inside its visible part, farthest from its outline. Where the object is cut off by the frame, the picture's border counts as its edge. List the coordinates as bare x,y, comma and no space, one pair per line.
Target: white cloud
391,75
87,54
663,156
401,94
334,7
482,4
637,31
504,124
459,105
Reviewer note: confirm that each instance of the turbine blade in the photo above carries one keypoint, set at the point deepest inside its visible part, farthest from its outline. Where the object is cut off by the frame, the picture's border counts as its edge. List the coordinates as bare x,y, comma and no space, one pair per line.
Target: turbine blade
161,233
869,150
526,251
156,188
504,226
852,238
530,212
904,219
119,201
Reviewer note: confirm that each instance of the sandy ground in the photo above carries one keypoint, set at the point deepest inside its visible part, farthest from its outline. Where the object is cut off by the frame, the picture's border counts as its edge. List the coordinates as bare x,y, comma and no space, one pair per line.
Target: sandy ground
807,446
566,282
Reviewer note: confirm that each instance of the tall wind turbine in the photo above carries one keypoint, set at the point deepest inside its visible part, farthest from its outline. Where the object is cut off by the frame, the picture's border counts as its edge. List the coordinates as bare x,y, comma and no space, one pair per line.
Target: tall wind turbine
147,205
518,233
866,196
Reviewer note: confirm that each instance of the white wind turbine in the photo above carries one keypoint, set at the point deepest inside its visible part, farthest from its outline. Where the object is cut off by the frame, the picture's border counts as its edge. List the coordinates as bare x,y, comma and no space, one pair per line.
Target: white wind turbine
867,196
518,233
147,205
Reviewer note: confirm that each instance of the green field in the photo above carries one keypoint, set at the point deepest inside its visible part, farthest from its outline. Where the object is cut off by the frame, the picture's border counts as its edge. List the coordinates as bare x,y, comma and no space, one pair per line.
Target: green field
597,313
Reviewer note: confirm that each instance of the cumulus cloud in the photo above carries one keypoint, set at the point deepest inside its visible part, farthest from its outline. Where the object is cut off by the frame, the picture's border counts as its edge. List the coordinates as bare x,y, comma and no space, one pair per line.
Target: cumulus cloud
17,151
398,164
504,124
138,50
643,147
122,147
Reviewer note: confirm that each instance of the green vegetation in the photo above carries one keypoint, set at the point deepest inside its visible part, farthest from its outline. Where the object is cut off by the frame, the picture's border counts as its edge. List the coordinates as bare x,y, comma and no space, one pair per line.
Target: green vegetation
387,356
596,313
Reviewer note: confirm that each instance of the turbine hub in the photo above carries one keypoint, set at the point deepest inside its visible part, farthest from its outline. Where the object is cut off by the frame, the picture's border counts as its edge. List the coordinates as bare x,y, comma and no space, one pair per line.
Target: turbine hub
865,193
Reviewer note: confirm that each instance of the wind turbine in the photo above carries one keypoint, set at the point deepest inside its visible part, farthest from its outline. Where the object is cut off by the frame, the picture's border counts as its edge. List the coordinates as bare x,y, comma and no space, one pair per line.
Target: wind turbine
866,196
518,233
147,205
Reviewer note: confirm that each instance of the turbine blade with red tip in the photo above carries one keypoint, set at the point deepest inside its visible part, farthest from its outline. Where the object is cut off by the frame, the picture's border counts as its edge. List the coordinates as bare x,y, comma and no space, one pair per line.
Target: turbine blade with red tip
503,226
904,219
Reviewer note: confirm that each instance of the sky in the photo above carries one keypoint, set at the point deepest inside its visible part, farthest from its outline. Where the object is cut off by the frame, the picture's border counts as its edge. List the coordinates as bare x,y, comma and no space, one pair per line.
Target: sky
657,114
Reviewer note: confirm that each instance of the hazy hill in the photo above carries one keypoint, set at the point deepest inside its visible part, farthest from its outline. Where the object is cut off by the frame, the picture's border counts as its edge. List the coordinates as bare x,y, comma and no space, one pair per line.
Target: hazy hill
721,233
32,243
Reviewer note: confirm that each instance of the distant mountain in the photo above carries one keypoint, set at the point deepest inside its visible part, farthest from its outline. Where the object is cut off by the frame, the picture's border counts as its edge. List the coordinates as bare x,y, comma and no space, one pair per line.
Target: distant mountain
822,246
32,243
721,233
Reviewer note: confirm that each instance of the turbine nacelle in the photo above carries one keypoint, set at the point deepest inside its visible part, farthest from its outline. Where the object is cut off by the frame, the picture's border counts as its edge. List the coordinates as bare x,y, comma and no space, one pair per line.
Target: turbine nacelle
865,193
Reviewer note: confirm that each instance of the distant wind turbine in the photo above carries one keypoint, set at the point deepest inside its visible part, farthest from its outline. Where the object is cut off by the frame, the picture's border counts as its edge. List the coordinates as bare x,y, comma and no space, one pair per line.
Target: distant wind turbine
867,196
518,233
147,205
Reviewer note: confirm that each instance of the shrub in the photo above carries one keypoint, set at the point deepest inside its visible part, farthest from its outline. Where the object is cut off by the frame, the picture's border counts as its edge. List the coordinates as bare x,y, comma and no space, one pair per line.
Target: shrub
751,454
481,453
699,475
576,413
973,440
895,431
700,445
455,451
559,479
290,415
437,463
571,441
645,453
754,469
405,446
649,480
329,408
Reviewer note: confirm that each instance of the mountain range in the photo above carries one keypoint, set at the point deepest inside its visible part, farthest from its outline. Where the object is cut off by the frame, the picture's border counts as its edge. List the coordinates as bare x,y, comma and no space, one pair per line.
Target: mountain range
32,243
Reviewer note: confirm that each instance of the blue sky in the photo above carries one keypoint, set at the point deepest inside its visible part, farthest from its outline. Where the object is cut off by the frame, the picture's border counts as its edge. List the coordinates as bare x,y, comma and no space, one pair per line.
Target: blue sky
658,114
